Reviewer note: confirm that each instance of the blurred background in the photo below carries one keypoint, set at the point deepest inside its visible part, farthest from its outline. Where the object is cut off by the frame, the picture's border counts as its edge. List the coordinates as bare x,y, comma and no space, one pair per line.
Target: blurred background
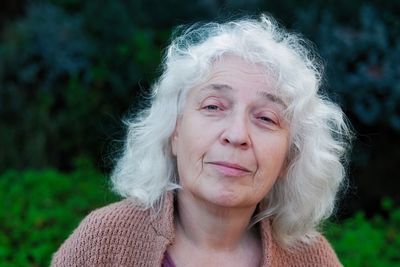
71,70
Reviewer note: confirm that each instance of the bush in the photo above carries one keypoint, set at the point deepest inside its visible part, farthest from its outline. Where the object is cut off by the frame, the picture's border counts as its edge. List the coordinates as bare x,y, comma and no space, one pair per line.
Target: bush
362,242
41,208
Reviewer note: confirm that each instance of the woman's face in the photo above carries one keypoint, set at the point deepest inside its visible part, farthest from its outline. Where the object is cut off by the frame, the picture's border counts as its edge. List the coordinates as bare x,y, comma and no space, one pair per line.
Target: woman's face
231,141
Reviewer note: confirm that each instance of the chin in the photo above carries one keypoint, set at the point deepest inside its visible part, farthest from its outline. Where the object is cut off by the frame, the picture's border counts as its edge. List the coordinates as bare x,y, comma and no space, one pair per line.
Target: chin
229,199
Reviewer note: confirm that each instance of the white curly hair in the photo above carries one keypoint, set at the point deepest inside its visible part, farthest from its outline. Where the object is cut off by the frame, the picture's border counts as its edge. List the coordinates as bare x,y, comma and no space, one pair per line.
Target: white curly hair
319,133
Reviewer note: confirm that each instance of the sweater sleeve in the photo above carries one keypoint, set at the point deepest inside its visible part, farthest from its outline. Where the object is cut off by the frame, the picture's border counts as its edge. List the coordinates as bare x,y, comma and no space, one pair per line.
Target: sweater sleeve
314,254
321,253
120,234
80,246
108,236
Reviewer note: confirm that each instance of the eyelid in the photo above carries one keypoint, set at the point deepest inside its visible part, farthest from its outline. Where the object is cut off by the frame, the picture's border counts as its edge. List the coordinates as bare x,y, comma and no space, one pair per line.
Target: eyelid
212,101
270,120
272,116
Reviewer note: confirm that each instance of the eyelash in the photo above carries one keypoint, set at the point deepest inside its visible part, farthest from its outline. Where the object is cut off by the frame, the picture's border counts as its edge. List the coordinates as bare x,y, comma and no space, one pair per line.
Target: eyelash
212,107
267,119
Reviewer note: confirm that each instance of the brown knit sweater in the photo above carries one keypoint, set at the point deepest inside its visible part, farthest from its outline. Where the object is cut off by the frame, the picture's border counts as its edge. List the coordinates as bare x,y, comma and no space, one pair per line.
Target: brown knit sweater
121,234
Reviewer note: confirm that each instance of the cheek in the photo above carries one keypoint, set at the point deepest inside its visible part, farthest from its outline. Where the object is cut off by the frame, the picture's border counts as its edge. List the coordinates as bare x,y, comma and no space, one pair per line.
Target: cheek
189,149
272,157
195,138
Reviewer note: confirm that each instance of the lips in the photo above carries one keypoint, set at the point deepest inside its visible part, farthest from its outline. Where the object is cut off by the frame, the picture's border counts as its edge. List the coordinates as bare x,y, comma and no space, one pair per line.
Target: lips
229,169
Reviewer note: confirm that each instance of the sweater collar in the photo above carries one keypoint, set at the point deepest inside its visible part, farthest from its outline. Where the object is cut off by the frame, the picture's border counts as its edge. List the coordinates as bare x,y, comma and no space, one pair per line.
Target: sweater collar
162,217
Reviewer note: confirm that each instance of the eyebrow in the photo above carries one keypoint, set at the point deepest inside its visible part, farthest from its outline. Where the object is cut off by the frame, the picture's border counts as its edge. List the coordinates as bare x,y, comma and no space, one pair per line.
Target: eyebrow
224,87
273,98
218,87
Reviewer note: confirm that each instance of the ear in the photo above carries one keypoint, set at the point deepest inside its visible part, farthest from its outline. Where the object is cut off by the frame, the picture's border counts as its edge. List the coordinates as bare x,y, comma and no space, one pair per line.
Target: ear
174,138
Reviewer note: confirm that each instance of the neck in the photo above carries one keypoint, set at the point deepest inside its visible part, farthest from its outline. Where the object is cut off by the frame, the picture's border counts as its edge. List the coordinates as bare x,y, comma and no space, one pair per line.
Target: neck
212,227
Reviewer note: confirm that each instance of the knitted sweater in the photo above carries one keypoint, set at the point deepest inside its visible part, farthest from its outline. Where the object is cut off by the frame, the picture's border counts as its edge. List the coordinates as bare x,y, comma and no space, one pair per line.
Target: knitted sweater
121,234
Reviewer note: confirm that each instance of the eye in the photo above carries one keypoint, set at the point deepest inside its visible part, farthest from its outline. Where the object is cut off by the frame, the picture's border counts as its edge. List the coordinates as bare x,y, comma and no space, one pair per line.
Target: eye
213,104
211,107
267,119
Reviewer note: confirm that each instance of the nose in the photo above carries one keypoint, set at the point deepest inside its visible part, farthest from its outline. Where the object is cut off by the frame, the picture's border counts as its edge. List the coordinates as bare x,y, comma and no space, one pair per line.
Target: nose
236,132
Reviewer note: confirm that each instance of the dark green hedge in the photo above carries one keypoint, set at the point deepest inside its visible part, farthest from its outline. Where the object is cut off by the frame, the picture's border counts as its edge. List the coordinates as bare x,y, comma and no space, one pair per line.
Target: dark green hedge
41,208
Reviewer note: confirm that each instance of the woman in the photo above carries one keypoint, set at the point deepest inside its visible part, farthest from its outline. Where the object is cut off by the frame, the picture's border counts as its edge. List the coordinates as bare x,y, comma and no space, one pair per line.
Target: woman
235,163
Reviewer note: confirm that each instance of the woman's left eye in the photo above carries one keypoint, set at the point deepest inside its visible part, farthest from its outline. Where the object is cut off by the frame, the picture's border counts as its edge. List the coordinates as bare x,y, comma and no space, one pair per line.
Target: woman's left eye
267,119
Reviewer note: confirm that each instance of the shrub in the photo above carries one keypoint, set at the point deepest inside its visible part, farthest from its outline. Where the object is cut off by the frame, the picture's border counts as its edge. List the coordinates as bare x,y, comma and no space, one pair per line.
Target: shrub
362,242
41,208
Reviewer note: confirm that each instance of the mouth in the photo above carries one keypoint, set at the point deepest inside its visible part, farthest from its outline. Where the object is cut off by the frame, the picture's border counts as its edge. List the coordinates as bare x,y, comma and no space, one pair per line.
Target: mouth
229,169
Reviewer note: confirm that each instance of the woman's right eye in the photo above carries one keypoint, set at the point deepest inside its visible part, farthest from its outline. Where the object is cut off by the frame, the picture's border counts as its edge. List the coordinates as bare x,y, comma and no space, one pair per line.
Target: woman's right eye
211,107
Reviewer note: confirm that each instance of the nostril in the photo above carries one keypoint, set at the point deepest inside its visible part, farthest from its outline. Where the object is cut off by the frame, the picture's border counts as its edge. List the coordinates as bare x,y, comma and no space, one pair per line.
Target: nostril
245,145
227,141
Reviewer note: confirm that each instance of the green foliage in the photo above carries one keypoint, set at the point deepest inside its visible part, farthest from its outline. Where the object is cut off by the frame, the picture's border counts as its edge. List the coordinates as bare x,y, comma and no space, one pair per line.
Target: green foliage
363,242
39,209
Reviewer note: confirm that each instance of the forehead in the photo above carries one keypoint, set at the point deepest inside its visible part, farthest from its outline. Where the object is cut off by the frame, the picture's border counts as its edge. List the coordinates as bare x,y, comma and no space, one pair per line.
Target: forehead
232,74
239,73
230,66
